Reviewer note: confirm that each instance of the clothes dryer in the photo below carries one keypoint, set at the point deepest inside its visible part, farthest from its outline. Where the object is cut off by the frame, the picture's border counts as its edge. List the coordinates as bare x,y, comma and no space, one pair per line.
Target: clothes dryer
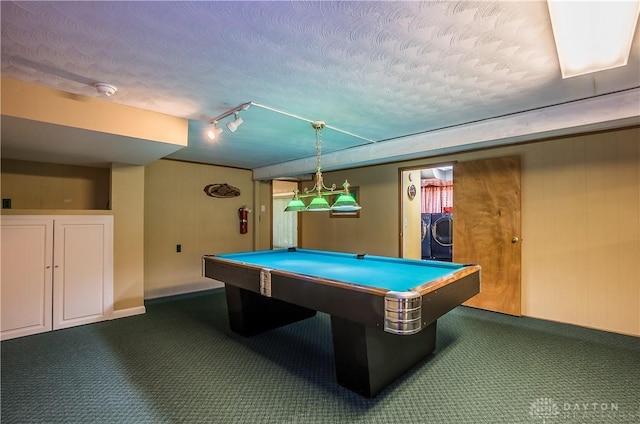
442,236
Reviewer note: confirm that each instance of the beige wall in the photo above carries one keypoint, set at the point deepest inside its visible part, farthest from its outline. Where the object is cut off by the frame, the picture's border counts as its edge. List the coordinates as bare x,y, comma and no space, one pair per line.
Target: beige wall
284,187
36,185
262,215
375,232
127,200
580,220
177,211
581,231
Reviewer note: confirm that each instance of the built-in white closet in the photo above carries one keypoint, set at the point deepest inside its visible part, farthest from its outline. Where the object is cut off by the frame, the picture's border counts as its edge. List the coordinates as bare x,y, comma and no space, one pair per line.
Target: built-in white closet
57,272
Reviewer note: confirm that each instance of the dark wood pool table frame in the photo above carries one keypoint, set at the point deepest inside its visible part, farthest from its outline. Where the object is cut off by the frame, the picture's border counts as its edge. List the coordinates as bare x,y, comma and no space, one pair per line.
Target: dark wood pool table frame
367,357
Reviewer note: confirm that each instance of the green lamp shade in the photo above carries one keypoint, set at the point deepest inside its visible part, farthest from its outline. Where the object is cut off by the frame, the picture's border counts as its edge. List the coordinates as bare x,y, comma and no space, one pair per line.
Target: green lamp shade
295,205
346,203
318,204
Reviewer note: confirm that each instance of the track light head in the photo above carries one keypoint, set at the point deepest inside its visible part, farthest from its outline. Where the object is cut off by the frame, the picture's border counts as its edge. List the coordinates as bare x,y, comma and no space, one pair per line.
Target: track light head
214,132
233,125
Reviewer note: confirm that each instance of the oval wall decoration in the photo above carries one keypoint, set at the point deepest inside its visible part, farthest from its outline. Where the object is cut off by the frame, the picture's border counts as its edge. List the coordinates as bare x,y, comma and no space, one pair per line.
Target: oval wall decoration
221,190
411,192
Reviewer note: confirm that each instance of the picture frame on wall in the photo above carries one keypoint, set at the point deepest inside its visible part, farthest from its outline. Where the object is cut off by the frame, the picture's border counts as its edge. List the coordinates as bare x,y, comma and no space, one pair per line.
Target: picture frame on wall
355,192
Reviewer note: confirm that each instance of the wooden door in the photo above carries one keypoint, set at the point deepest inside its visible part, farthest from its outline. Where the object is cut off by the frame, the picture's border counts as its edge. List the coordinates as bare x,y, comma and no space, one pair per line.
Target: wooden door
26,276
487,228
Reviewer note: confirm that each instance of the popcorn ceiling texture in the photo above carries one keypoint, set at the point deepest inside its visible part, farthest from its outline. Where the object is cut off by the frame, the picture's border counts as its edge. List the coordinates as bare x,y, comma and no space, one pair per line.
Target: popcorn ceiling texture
380,70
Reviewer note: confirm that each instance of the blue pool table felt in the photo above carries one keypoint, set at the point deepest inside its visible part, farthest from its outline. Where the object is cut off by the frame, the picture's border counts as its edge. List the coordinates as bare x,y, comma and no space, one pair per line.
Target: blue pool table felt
373,271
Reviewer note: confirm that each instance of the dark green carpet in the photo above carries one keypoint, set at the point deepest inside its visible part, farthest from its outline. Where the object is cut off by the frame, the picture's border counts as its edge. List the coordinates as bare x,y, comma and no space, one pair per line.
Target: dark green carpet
180,363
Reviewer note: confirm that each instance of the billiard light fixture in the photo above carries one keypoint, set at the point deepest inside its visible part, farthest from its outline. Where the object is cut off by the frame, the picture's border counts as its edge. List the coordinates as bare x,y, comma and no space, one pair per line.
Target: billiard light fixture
319,193
214,131
592,36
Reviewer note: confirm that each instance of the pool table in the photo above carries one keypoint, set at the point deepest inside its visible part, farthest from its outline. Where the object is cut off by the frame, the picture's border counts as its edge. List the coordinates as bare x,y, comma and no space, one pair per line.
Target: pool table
383,310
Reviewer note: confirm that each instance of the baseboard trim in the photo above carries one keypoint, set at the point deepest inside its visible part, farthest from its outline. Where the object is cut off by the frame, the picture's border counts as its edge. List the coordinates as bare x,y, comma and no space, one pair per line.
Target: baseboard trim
129,312
183,289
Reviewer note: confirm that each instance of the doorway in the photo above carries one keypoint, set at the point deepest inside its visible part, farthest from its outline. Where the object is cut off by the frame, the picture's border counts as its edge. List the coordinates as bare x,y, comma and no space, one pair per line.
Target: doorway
427,213
285,224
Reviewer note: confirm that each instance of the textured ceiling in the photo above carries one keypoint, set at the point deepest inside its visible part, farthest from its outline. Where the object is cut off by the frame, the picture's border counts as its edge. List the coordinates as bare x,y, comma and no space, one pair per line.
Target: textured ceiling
379,70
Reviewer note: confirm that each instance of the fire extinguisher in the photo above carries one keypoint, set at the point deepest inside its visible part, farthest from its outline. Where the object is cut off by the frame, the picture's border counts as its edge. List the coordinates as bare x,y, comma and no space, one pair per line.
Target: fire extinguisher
243,214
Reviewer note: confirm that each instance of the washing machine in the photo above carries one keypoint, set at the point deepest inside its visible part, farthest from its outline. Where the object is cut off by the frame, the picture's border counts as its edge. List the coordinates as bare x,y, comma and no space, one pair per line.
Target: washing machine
442,236
425,226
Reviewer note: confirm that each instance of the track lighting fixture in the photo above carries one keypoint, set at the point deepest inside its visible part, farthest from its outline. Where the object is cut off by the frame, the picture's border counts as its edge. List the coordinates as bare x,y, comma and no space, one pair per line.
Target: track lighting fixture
233,125
215,131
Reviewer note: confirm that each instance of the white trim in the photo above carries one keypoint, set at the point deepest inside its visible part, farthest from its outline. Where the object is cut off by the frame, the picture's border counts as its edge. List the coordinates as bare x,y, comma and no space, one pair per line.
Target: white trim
129,312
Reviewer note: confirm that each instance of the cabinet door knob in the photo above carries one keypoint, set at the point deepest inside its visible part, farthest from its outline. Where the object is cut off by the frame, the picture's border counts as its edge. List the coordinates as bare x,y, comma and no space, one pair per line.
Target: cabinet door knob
515,240
48,266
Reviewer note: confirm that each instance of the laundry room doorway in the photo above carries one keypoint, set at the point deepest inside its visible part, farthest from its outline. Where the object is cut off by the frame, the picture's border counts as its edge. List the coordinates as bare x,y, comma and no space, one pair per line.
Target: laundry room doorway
427,213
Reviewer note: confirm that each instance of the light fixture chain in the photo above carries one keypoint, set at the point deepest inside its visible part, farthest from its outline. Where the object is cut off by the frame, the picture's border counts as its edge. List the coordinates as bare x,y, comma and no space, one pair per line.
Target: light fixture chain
318,147
318,126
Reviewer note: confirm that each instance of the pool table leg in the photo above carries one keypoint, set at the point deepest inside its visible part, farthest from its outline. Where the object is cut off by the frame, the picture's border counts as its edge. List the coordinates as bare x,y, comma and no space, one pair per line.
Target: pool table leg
368,359
251,313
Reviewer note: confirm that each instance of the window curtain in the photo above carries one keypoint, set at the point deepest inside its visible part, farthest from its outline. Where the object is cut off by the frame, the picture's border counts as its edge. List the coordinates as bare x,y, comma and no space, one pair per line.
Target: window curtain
436,195
285,224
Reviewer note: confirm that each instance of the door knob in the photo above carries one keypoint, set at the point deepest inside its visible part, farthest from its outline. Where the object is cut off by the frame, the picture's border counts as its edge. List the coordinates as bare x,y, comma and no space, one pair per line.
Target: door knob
515,240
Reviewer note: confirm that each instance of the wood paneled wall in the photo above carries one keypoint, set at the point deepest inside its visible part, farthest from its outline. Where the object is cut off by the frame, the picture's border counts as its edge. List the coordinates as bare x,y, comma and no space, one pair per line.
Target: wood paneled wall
580,223
177,211
581,210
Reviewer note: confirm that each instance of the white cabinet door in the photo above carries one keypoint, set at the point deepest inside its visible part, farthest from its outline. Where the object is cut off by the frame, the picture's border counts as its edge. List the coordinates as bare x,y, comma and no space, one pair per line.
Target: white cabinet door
26,285
83,270
57,272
